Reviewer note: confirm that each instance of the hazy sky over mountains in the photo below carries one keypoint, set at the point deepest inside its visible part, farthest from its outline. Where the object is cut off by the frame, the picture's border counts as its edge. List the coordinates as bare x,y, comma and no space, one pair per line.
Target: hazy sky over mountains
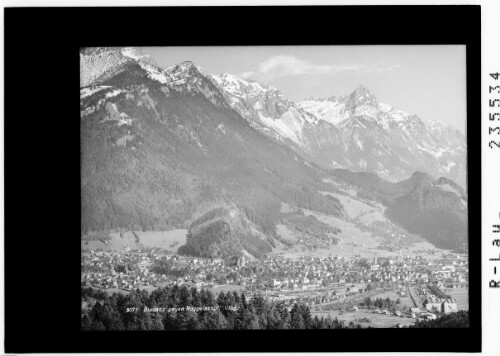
425,80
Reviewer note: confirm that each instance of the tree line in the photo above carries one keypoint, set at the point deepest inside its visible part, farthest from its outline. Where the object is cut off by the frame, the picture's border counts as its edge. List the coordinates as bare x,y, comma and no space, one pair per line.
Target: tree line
381,303
184,308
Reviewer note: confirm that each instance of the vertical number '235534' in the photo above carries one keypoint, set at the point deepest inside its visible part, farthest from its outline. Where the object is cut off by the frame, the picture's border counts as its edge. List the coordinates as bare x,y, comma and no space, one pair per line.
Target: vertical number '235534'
493,116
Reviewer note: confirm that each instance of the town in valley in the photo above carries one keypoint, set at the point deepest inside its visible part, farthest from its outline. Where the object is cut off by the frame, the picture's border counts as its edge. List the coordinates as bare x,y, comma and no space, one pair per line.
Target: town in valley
270,194
392,290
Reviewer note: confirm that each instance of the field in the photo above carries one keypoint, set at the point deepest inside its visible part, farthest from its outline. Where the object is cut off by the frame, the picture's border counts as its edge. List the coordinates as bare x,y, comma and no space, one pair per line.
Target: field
353,207
355,238
345,188
168,240
376,320
461,295
286,233
376,214
389,294
360,211
358,235
418,247
393,296
227,288
352,238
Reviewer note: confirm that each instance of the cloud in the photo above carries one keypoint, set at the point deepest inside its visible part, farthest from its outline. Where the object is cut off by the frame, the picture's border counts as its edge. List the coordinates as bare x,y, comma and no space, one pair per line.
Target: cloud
283,66
380,68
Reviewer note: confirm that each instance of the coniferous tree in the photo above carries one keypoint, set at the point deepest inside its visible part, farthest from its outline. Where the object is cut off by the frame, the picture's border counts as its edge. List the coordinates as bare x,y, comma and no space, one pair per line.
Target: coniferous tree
296,318
97,325
192,322
195,298
120,312
306,316
169,321
185,297
86,323
285,316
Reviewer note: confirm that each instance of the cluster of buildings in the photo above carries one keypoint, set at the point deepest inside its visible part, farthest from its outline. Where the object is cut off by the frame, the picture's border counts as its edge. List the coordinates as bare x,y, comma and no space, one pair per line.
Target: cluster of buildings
125,270
441,305
437,303
309,280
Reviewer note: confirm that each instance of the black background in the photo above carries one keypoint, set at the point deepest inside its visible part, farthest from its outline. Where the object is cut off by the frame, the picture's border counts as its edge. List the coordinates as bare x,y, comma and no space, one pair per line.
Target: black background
42,168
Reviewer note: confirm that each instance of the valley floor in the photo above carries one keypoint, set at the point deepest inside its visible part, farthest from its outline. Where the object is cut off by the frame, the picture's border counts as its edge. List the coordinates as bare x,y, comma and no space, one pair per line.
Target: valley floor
149,260
374,320
366,232
166,240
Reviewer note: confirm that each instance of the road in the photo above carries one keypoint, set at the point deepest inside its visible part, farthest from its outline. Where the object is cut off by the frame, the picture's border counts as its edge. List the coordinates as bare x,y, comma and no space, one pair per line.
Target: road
415,299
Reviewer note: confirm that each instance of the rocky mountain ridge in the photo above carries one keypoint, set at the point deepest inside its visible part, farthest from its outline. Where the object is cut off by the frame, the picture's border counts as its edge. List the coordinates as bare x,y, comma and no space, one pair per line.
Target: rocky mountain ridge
353,131
161,148
164,147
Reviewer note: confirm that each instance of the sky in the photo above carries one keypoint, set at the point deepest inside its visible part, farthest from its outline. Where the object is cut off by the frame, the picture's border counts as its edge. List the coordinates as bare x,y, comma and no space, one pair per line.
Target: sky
427,80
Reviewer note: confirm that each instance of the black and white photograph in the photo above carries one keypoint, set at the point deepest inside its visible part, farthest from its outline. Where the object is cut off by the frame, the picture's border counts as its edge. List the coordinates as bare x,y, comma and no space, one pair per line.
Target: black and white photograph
278,187
240,178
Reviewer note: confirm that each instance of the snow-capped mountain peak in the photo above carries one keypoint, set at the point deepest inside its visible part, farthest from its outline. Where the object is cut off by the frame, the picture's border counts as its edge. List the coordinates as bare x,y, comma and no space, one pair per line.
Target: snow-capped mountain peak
181,70
133,52
185,65
265,108
244,87
138,54
99,65
361,96
446,134
330,111
360,102
435,125
354,131
390,142
188,77
96,63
